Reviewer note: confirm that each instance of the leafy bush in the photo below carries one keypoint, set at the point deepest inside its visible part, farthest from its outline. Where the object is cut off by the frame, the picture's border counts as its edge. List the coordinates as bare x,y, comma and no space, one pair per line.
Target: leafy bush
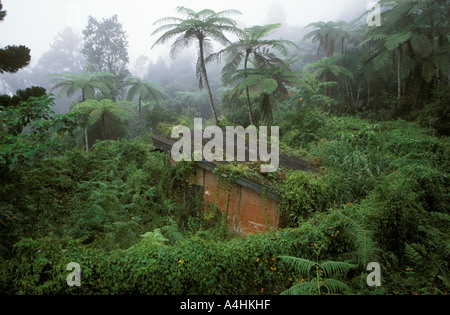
303,194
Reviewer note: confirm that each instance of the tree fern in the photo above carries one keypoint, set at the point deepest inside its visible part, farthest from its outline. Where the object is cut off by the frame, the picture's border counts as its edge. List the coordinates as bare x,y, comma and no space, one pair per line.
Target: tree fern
198,28
98,109
270,78
145,91
395,40
249,48
416,31
69,83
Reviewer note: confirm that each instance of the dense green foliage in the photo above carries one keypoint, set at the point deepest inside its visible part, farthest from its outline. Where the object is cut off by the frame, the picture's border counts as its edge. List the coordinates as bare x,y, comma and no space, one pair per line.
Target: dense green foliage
382,193
89,187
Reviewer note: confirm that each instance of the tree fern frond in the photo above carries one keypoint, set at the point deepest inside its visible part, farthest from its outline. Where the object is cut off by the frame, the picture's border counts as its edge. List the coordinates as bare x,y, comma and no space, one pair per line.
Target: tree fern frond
185,11
96,115
204,13
422,45
168,20
228,13
133,92
394,41
265,86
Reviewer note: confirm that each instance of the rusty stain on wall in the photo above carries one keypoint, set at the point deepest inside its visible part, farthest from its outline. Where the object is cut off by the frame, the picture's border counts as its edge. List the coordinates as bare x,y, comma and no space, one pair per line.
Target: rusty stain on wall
251,207
248,211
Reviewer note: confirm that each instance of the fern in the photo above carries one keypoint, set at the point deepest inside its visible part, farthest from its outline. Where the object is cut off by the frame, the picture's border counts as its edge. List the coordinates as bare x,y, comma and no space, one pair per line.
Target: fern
149,240
412,253
365,248
302,266
323,273
395,40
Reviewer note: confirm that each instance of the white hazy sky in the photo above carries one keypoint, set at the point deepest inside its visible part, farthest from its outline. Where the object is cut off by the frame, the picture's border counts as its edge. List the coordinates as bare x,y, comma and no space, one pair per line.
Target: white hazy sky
35,23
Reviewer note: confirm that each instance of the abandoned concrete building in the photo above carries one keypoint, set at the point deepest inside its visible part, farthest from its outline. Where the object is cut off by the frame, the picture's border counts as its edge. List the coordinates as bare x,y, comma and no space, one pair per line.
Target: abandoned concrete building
251,204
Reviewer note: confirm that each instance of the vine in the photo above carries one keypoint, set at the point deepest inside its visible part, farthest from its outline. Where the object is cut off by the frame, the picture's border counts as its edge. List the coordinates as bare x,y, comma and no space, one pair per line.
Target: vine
225,176
266,210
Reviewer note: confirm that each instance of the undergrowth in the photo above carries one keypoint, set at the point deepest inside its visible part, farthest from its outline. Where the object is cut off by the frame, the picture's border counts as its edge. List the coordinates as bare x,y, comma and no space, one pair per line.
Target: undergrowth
137,226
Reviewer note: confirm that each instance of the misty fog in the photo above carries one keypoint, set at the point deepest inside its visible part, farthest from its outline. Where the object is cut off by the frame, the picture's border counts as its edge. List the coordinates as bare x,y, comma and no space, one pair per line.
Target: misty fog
54,36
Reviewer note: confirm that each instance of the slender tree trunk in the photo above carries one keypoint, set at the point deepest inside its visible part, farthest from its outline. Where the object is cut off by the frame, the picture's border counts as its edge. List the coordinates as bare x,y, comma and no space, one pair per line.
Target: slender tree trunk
399,77
359,90
205,76
140,102
351,91
103,127
86,137
346,88
247,90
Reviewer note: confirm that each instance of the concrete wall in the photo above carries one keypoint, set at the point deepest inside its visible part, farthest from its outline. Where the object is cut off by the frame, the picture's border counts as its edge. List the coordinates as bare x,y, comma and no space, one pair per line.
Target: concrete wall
248,211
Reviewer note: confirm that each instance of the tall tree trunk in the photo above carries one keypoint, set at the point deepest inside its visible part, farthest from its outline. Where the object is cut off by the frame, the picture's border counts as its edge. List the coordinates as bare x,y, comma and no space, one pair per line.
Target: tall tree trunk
359,90
103,127
399,77
266,109
86,137
247,90
205,77
140,102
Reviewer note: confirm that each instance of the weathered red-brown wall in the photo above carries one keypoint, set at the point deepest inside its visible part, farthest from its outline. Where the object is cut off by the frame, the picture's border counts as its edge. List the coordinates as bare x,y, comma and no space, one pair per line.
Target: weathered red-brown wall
248,211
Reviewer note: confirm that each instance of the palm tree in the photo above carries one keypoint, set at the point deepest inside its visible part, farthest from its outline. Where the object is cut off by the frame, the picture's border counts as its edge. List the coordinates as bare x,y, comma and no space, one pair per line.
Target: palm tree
197,28
146,91
98,109
69,83
251,44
